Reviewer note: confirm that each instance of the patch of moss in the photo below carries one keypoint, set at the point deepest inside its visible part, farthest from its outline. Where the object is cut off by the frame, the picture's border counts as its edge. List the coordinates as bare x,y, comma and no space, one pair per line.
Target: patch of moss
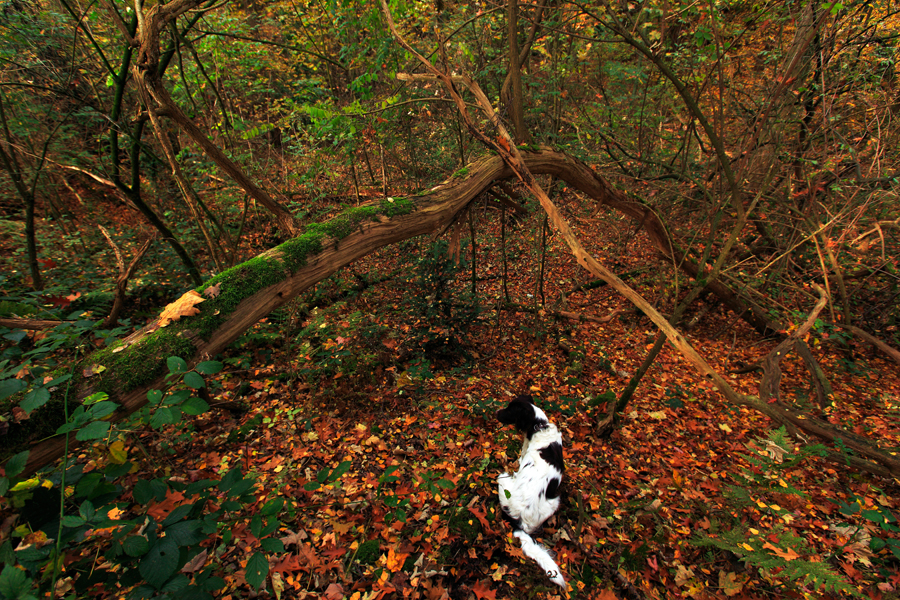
122,372
296,251
397,206
140,364
461,172
465,524
237,284
368,552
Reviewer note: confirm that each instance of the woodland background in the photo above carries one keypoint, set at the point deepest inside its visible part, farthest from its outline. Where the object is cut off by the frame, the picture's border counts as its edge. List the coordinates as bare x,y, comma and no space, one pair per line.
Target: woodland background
269,268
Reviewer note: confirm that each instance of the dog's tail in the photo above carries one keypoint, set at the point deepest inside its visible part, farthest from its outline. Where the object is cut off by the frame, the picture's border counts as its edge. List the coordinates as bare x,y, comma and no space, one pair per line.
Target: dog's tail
542,557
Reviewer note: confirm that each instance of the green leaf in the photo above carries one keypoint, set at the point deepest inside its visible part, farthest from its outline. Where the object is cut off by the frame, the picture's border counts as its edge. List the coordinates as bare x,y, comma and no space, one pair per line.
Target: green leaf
186,533
272,545
154,396
322,475
176,364
339,471
194,380
162,416
160,562
72,521
177,398
35,398
195,406
86,510
145,491
257,570
256,525
445,484
95,398
58,380
8,387
312,486
14,583
231,478
16,464
102,409
272,507
4,486
93,431
210,367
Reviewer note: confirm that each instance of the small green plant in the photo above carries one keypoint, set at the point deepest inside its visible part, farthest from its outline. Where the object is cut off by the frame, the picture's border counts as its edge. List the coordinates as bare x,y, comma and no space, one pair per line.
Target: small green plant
782,557
880,519
336,344
442,308
148,553
396,505
328,476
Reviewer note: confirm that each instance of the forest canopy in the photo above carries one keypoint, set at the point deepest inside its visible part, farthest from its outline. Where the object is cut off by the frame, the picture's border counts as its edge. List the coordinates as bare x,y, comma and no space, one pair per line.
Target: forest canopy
270,268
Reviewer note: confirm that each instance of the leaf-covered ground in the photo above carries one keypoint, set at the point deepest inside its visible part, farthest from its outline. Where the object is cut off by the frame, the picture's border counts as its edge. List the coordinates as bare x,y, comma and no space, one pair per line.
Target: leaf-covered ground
388,463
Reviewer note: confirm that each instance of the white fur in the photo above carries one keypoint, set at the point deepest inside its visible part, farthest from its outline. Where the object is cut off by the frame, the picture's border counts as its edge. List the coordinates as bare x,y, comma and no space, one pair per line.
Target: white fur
523,495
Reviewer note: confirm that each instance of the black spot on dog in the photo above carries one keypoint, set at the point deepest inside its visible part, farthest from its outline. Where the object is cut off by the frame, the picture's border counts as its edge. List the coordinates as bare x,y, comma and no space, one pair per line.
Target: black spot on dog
553,488
552,453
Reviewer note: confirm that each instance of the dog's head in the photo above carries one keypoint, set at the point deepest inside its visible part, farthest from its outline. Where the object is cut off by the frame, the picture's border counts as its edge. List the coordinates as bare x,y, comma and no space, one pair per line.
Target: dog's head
522,413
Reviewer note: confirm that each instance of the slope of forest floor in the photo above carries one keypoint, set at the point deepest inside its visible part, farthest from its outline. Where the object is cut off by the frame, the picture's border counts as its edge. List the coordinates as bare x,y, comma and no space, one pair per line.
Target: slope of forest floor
387,459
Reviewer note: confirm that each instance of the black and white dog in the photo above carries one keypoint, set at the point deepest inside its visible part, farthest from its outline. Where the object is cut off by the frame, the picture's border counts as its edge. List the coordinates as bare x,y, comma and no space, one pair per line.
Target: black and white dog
529,497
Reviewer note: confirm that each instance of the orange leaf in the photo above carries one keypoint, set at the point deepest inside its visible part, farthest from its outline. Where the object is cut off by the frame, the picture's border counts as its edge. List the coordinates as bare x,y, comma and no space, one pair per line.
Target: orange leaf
395,560
482,591
183,307
788,554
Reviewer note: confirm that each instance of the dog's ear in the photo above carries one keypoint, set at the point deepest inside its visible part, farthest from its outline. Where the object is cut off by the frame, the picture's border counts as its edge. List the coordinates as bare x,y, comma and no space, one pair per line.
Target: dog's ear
524,398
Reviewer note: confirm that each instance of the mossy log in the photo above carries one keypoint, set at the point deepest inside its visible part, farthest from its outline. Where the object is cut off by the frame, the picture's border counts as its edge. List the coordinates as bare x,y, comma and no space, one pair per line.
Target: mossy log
251,290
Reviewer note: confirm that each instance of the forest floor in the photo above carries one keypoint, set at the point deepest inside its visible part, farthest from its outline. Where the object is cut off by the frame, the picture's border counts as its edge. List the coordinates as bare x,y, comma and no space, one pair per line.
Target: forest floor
388,463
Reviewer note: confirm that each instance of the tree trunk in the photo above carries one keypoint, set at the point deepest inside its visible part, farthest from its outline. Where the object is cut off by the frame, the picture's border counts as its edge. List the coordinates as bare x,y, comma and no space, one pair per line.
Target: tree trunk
514,100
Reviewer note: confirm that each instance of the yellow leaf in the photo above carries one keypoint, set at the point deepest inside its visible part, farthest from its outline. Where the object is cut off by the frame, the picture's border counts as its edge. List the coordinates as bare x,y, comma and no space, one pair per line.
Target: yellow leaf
117,452
724,427
183,307
747,547
658,415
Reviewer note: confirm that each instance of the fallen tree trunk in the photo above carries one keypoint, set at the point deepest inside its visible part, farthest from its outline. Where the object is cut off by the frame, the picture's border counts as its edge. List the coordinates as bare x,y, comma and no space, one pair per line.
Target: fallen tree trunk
241,296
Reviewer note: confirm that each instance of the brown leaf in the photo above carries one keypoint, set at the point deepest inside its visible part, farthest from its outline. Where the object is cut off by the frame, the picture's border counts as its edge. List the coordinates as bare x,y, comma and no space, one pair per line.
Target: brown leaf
196,563
183,307
335,591
212,291
19,415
